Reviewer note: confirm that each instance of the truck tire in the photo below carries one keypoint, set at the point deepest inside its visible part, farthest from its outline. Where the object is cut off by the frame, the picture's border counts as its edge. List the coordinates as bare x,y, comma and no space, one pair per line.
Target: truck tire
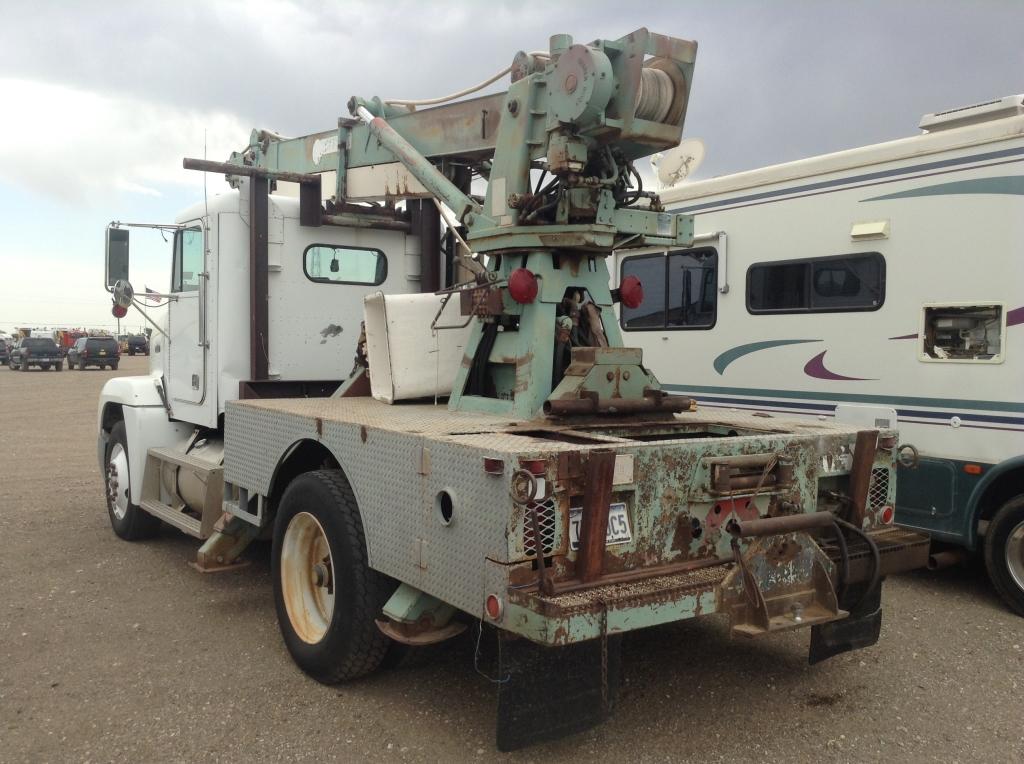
113,366
59,366
128,520
23,366
327,597
1004,553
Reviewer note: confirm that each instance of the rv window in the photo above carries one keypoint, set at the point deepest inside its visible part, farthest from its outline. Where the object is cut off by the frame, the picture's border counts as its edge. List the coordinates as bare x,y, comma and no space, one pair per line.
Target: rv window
328,264
962,333
817,285
188,260
650,269
680,290
692,289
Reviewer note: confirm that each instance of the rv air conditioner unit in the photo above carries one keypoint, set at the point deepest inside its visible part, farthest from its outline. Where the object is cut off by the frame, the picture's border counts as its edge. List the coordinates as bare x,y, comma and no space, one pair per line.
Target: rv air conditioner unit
1008,106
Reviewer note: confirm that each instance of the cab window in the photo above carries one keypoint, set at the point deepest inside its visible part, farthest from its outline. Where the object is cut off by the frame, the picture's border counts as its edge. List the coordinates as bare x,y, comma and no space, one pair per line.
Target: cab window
328,264
188,260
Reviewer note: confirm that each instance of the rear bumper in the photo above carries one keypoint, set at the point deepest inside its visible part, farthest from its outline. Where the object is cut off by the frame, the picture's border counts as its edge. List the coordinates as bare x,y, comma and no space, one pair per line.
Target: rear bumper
629,603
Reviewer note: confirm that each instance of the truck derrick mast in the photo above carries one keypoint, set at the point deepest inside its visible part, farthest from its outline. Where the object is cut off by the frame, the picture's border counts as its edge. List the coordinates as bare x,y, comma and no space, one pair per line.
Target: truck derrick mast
561,496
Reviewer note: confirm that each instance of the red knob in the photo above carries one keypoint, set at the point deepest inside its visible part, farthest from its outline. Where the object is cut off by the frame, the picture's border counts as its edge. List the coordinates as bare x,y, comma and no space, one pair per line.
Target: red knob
631,292
522,286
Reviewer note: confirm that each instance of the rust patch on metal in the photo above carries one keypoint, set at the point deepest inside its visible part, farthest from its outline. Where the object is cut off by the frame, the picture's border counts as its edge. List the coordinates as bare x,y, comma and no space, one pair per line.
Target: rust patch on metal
319,422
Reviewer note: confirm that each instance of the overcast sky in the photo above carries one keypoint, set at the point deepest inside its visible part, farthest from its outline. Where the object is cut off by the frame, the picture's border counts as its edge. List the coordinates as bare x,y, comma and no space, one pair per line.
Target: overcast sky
103,99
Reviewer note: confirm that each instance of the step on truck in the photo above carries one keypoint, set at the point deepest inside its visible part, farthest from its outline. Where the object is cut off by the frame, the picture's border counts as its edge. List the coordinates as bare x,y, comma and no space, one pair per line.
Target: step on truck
494,457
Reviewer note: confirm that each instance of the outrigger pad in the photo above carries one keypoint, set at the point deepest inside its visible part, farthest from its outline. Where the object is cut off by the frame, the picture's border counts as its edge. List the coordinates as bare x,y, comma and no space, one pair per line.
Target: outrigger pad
860,629
551,692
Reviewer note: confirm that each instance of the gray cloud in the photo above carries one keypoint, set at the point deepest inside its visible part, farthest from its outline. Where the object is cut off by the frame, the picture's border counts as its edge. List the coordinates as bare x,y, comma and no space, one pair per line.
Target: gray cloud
775,81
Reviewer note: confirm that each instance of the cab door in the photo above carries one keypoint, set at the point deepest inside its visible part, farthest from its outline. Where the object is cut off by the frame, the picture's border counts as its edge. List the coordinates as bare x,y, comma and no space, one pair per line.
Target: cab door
186,316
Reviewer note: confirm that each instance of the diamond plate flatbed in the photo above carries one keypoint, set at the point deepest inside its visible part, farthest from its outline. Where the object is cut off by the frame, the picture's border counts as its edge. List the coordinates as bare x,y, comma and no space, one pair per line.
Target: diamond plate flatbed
399,458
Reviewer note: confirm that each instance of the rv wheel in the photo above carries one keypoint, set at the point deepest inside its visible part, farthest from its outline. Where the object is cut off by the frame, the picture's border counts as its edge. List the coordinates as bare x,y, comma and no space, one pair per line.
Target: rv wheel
1004,553
327,597
128,520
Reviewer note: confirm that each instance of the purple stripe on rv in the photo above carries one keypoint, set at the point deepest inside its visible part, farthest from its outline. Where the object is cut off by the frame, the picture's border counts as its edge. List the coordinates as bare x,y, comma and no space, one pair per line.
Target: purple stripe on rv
816,368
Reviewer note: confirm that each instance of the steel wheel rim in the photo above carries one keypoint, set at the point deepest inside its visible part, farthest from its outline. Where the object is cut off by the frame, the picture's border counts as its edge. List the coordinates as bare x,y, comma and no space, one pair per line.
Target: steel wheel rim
119,481
1015,554
307,577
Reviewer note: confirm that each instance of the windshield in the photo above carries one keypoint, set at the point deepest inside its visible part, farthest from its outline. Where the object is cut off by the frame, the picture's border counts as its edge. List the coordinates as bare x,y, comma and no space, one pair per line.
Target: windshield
38,343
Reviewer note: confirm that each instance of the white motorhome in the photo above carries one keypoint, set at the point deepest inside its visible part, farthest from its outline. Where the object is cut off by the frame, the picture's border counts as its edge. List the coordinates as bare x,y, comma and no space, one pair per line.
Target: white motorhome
884,285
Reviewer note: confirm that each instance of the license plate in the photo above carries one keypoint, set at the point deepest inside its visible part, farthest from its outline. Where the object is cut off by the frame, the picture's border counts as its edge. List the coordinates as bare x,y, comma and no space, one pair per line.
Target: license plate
103,352
618,526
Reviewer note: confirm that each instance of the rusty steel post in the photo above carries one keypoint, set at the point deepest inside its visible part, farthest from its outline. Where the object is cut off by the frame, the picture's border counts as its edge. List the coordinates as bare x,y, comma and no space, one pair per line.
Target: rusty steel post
860,474
597,498
259,309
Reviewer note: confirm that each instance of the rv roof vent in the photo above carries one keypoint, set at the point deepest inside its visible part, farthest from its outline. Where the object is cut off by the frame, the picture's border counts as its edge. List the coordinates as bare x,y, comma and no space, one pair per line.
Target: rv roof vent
1009,106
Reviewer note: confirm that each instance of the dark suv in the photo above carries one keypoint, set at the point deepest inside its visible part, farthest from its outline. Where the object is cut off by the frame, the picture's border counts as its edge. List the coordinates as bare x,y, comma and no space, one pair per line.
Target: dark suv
36,351
138,343
94,351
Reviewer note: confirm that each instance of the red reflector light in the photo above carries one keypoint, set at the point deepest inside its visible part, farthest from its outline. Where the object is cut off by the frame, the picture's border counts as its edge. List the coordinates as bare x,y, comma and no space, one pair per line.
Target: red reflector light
494,607
972,469
494,466
119,311
522,286
534,466
631,292
887,515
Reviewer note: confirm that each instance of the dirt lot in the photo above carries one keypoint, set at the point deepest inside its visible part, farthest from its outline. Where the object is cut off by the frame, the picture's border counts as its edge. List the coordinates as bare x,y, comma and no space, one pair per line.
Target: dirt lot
111,651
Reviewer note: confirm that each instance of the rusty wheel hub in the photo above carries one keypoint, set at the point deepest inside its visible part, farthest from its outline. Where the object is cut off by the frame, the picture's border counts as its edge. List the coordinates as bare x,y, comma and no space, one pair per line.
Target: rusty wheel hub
307,577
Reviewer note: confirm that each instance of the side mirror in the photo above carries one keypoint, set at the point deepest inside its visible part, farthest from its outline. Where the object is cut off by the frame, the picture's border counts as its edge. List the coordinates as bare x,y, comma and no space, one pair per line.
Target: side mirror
116,256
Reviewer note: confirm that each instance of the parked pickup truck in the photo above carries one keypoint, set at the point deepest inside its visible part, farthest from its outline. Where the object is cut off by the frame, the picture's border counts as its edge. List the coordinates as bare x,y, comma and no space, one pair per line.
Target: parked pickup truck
36,351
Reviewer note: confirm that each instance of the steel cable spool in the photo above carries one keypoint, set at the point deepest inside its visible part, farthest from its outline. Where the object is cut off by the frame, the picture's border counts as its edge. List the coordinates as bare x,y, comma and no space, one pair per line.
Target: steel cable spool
662,94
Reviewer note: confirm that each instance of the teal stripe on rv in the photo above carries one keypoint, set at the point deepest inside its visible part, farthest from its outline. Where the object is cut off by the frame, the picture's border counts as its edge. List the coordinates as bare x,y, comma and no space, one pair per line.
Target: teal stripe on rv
883,400
1006,184
730,355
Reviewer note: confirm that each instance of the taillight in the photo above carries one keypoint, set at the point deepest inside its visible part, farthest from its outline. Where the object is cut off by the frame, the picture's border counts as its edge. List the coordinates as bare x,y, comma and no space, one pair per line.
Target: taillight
494,607
887,515
536,467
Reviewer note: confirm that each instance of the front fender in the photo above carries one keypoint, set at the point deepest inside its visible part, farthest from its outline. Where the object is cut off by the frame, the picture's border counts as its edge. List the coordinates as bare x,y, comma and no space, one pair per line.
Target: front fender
145,421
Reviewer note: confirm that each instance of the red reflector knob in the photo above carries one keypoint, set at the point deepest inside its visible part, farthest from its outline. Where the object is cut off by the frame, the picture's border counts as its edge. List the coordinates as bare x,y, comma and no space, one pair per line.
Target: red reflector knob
119,311
522,286
493,607
631,292
887,515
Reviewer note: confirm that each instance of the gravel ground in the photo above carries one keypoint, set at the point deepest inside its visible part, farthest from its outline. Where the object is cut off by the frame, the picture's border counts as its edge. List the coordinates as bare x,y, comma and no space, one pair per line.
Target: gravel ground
111,651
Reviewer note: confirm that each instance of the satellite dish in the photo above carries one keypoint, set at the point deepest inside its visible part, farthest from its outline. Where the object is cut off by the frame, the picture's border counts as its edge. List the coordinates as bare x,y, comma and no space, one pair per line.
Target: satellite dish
675,165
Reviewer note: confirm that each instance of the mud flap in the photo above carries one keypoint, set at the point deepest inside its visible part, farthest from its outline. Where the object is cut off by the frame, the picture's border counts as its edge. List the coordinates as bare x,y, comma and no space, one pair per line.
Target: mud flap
551,692
860,629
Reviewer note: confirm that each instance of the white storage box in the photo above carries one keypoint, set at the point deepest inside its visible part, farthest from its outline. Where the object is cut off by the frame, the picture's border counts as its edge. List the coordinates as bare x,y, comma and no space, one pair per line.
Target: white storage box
407,358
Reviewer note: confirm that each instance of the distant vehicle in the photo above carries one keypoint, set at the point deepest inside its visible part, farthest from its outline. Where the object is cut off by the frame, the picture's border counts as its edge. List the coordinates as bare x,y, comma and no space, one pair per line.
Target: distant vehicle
5,351
36,351
94,351
122,342
138,343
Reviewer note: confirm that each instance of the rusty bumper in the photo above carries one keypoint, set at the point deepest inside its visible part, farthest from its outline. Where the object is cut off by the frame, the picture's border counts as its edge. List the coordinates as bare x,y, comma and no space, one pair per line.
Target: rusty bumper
713,586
